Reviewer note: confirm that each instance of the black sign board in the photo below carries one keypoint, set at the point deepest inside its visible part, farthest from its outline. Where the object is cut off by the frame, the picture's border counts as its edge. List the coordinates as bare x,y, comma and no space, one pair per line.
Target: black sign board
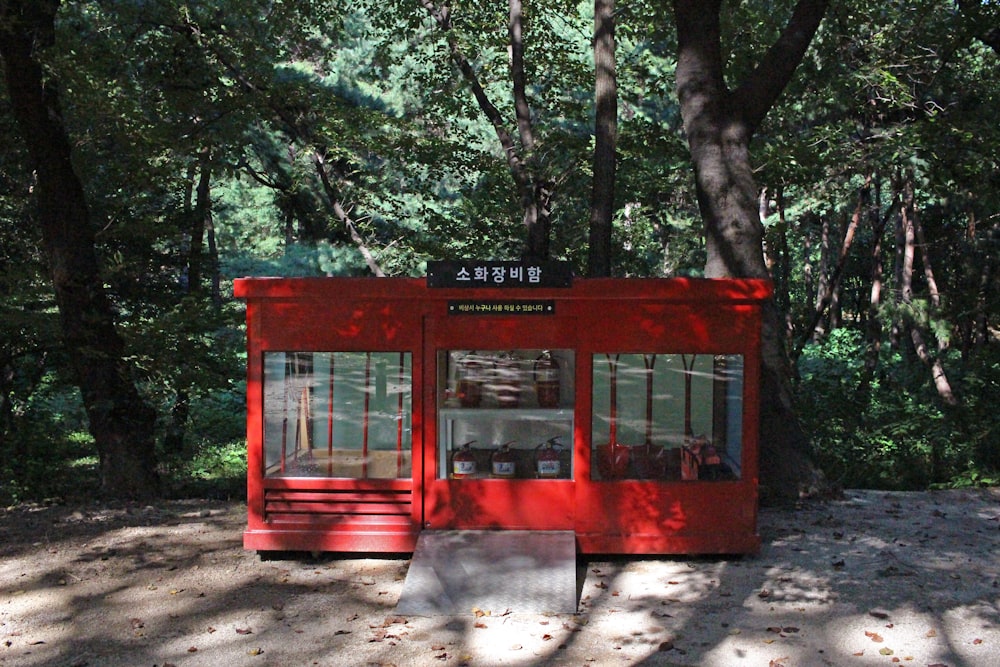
487,273
502,307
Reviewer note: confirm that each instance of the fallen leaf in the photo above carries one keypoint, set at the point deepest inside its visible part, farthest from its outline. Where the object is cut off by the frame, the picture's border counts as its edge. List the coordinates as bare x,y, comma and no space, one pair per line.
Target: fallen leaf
244,631
480,625
546,638
192,649
437,647
210,629
764,594
601,584
255,651
885,651
931,633
874,636
777,662
666,645
775,629
790,629
977,641
137,623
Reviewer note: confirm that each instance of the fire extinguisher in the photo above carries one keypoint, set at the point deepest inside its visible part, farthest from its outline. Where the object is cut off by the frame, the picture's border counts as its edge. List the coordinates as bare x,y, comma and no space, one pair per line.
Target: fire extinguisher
691,458
547,458
507,380
711,462
463,462
547,380
471,371
503,463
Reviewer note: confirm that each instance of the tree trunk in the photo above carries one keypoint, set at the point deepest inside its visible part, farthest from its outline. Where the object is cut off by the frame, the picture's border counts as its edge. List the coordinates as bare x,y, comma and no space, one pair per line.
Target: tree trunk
602,202
908,221
534,187
831,285
873,325
120,420
719,124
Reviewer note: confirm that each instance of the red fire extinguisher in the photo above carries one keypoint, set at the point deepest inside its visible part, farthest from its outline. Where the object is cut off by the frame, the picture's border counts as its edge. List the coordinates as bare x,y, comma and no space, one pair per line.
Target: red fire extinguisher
503,463
547,380
463,462
507,380
547,463
711,462
471,373
691,457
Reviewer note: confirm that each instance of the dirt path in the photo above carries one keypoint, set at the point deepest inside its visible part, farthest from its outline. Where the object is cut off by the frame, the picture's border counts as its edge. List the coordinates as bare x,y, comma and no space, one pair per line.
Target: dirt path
875,579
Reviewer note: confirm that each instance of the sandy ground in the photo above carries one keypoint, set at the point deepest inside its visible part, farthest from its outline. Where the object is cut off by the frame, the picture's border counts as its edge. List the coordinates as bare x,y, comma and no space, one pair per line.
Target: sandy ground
873,579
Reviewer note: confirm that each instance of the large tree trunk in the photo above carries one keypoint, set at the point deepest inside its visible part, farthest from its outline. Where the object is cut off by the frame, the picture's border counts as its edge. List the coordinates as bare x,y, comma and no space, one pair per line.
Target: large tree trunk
120,420
719,124
602,201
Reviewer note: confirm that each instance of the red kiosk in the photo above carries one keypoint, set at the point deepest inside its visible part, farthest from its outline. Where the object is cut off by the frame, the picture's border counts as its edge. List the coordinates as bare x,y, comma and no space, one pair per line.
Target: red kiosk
503,395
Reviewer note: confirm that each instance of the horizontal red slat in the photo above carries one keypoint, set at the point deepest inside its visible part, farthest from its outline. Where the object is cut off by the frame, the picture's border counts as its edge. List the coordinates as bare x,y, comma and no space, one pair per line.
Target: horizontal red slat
345,496
337,508
341,521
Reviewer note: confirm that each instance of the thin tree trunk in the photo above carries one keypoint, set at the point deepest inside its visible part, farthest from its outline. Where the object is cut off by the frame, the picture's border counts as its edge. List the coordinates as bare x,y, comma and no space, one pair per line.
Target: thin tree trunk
909,235
602,200
121,422
830,285
782,270
534,188
201,211
873,325
342,215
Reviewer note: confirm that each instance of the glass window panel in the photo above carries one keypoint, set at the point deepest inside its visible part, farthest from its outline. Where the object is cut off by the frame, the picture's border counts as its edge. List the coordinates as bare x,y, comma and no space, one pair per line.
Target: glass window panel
505,414
667,416
338,414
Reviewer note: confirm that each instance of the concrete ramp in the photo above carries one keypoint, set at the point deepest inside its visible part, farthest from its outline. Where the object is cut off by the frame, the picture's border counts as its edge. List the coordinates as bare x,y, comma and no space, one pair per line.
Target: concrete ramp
455,571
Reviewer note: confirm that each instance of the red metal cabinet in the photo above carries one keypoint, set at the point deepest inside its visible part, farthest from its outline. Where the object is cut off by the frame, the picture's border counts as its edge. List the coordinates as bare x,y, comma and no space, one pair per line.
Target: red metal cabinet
625,410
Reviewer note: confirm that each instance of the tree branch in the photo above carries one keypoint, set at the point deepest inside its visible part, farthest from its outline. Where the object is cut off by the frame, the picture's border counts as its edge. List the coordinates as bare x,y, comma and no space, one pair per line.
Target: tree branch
338,210
761,89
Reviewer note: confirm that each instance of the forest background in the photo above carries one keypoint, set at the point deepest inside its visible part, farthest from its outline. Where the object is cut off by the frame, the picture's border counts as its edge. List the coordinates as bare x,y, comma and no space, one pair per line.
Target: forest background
215,139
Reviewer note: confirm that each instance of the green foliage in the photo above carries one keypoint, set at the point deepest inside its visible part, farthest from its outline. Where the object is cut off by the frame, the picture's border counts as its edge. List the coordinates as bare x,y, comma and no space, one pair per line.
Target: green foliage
896,434
214,464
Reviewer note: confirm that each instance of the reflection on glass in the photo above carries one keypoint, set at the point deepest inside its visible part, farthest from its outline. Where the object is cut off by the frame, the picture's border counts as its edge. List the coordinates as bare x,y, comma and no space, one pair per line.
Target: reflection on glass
667,416
337,414
505,414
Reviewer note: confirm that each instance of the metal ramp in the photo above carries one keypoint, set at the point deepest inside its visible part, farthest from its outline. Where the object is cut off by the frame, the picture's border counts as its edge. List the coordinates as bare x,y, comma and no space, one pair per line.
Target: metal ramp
455,571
